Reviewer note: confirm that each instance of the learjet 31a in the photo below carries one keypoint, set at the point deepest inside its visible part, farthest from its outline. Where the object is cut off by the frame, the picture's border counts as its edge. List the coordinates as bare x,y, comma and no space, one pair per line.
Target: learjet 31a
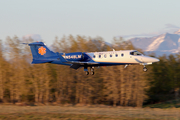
41,54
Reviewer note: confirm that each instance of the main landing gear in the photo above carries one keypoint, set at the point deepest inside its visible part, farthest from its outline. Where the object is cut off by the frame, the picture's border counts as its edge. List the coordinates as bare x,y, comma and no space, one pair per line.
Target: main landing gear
91,70
87,73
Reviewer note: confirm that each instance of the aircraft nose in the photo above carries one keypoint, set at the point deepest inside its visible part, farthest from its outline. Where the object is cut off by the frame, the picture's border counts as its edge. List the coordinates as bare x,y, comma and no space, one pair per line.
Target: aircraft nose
155,60
150,59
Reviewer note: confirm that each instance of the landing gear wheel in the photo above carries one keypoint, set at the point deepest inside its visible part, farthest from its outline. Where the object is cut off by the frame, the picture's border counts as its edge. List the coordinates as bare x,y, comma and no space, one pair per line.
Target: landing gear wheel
87,73
92,72
145,69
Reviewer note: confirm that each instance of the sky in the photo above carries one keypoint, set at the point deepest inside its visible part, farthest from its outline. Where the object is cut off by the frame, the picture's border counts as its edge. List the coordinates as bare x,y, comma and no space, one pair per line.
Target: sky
105,18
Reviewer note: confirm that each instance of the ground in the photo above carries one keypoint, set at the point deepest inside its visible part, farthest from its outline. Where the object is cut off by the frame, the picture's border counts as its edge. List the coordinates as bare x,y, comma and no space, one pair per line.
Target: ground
10,112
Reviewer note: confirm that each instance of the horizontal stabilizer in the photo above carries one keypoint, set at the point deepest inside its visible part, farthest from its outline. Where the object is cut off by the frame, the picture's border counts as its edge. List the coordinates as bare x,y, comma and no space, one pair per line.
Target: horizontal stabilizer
36,43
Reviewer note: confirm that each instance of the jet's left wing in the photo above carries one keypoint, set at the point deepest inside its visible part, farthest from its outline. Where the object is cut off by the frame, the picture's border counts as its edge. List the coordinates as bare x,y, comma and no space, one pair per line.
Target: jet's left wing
76,65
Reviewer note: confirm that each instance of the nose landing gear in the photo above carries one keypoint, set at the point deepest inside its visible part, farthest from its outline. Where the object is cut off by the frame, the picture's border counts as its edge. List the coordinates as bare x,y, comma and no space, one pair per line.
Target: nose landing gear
145,69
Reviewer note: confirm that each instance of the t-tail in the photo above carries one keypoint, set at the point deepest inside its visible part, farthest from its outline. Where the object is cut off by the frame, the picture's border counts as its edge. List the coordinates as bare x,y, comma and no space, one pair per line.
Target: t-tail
41,54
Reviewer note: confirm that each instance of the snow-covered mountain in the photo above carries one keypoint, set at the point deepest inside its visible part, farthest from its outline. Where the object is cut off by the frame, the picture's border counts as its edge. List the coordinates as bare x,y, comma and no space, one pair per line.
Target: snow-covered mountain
163,44
177,32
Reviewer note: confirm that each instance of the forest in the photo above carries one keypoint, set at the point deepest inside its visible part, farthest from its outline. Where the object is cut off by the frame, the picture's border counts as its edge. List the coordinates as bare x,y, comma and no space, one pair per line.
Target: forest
21,81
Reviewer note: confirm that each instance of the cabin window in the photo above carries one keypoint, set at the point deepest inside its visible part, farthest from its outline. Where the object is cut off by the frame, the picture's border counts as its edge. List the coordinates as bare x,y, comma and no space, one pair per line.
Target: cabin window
110,55
135,53
116,55
122,55
105,56
99,56
94,56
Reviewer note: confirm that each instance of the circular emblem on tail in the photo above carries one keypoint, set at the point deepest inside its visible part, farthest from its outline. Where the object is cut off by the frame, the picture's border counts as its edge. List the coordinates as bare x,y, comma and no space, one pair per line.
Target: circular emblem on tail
42,50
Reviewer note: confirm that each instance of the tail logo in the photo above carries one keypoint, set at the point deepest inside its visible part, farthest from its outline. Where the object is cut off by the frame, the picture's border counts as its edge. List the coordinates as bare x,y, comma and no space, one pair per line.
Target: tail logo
42,50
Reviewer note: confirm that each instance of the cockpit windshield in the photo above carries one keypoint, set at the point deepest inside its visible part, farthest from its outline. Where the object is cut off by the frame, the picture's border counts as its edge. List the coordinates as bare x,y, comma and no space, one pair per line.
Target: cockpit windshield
135,53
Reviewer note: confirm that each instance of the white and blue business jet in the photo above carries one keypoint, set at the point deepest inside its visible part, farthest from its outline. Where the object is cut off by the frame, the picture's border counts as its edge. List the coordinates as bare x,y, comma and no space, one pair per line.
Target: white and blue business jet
41,54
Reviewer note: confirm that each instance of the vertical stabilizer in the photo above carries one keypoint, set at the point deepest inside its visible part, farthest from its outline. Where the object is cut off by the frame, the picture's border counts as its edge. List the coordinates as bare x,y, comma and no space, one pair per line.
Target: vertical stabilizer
40,51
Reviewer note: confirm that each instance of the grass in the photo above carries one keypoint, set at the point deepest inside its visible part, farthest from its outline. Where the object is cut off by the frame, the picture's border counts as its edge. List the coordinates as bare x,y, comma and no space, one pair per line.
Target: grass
12,112
56,116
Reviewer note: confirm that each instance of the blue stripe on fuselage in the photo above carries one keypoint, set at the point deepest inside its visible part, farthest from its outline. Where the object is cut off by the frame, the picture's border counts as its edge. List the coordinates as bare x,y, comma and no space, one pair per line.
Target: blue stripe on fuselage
108,64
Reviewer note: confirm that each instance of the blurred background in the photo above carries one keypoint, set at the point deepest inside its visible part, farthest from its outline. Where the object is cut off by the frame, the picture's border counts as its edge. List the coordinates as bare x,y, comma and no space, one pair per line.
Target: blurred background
151,27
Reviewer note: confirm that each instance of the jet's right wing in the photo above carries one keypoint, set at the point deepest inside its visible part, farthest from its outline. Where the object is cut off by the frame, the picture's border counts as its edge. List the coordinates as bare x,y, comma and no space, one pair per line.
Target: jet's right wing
82,63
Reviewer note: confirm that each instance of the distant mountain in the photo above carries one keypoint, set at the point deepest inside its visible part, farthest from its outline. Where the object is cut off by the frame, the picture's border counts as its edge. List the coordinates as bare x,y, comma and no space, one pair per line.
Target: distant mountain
177,32
162,44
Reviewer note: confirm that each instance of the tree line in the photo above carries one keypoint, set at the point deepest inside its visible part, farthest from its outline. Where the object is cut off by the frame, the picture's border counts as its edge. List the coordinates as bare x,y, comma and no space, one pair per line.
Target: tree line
164,79
21,81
